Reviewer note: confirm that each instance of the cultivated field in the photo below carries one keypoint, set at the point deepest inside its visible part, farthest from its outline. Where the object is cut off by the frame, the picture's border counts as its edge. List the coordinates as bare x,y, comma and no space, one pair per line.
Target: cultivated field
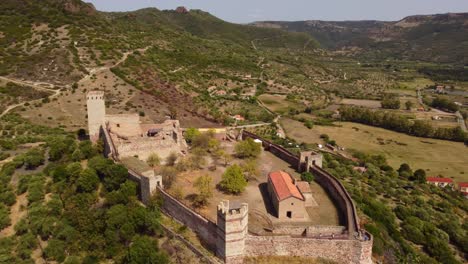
359,102
278,103
437,157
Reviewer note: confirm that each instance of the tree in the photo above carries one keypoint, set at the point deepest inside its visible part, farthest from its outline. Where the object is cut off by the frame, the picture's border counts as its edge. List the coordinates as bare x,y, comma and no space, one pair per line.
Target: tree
309,124
420,176
88,180
169,175
205,190
153,160
408,105
248,149
308,177
171,159
115,175
34,158
250,169
227,158
198,158
405,171
144,250
391,101
233,180
55,250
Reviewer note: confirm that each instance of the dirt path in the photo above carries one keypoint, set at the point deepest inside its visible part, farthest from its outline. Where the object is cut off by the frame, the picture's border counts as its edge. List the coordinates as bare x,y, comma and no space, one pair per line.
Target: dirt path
49,87
16,213
280,131
35,85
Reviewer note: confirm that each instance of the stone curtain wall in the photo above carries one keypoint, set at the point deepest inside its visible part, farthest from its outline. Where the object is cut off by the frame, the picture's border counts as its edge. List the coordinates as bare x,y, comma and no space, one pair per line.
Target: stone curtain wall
279,151
204,228
109,148
341,251
341,196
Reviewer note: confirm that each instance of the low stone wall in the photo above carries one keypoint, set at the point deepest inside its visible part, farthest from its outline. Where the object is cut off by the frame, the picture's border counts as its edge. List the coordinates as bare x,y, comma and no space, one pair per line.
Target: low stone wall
312,231
339,250
204,228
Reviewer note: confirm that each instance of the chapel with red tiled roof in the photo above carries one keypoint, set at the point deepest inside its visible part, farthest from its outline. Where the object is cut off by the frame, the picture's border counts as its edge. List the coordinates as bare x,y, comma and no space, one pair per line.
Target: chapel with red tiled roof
288,197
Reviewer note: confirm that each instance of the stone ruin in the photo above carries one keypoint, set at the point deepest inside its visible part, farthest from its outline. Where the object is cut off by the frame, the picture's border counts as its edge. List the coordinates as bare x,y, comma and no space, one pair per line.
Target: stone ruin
131,138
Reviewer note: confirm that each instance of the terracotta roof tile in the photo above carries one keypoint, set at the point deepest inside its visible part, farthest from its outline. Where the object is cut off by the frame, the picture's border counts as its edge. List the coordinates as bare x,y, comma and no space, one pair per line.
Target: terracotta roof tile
304,187
436,179
283,186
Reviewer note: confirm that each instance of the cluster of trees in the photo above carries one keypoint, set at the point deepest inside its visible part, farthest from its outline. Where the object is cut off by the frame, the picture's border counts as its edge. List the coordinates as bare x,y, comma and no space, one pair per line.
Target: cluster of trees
444,104
402,208
439,74
391,101
92,213
396,122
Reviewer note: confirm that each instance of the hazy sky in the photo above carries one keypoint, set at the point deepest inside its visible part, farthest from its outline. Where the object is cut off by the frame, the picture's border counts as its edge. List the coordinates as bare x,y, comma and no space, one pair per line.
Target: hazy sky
243,11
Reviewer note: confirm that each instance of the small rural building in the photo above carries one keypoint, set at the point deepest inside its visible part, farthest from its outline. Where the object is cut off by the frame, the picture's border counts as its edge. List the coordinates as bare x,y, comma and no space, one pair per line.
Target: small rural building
440,89
239,118
287,199
463,188
360,169
440,182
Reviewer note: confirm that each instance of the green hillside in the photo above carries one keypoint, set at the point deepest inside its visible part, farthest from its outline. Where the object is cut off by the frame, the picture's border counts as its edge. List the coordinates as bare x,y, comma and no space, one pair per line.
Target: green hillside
434,38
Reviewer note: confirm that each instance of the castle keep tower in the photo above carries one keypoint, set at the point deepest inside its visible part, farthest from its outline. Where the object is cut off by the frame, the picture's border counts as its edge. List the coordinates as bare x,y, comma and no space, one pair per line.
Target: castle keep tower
96,113
232,230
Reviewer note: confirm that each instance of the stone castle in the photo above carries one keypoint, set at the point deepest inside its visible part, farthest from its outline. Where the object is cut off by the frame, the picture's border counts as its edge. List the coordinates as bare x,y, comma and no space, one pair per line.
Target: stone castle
130,137
229,236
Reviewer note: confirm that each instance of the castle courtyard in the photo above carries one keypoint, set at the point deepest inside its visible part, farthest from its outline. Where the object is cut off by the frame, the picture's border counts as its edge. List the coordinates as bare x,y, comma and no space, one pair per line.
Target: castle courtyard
262,214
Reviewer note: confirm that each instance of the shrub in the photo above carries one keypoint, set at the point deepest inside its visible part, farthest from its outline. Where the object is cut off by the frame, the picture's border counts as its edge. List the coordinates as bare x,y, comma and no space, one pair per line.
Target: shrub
153,160
171,159
308,177
205,190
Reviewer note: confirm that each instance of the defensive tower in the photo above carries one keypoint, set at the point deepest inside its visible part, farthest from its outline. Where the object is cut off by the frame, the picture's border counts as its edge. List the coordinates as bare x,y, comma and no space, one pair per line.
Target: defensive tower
96,113
232,230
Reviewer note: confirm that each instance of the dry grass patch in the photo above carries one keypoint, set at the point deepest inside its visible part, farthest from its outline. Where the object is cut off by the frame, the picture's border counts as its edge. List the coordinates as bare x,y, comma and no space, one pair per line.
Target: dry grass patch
437,157
360,102
278,103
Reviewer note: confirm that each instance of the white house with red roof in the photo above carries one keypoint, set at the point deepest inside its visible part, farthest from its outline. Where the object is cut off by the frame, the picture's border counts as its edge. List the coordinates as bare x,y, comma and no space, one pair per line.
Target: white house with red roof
440,182
463,188
289,198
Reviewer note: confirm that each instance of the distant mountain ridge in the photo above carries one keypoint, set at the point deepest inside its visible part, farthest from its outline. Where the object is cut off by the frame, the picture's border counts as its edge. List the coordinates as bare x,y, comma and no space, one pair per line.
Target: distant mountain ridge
437,38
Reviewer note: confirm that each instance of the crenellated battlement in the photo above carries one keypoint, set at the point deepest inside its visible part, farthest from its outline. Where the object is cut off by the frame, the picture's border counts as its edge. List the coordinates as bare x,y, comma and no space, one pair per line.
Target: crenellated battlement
95,95
229,210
